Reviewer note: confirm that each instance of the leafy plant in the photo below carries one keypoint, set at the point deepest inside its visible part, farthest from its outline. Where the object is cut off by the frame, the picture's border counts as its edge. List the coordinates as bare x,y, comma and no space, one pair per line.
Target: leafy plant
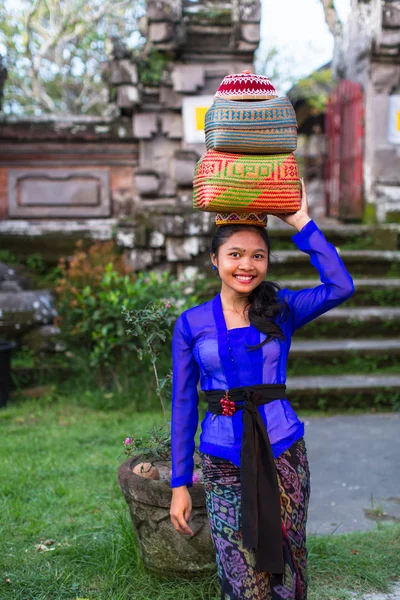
314,89
151,66
150,327
36,263
8,257
155,446
93,292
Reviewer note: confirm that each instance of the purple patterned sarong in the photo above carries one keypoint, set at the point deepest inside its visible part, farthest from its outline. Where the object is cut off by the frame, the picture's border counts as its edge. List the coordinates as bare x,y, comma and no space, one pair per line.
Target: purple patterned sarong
239,579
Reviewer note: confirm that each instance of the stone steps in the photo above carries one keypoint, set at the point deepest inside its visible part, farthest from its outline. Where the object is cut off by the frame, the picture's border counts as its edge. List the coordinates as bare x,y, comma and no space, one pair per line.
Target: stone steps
368,292
358,283
366,383
344,391
356,322
378,237
327,349
374,263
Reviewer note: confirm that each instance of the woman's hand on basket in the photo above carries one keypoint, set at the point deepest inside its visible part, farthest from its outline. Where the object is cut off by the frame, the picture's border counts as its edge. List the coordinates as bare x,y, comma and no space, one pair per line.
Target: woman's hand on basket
181,509
301,217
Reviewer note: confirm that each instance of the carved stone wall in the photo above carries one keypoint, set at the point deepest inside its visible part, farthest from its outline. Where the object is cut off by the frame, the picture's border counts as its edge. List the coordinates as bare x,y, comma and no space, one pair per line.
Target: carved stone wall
135,168
204,41
369,52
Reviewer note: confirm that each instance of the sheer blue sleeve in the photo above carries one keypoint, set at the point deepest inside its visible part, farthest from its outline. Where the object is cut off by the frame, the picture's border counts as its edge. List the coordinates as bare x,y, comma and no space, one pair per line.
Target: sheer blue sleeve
336,282
185,401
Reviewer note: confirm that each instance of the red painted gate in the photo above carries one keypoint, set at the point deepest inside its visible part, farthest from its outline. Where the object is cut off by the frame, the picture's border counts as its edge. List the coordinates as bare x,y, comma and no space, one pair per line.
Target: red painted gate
344,167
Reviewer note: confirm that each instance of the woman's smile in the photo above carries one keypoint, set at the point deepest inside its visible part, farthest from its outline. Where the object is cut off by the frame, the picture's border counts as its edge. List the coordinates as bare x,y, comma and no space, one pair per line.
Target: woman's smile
245,279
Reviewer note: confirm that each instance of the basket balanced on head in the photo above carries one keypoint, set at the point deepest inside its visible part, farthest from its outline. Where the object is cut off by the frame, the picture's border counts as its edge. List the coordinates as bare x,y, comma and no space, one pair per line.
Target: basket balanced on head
249,169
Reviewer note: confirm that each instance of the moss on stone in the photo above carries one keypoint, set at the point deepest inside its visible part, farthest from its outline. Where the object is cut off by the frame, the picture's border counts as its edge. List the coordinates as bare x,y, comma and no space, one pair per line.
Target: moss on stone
393,216
369,216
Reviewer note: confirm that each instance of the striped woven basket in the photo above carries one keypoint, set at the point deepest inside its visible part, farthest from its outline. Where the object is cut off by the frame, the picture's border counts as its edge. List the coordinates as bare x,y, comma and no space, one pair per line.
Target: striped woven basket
263,127
246,183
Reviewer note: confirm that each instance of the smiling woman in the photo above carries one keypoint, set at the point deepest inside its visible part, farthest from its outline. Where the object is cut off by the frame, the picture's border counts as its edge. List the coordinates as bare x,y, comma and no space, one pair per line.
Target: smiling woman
241,255
251,441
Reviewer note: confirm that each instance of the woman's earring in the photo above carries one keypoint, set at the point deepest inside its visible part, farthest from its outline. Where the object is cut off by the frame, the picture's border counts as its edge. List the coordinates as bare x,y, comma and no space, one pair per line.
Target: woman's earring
214,268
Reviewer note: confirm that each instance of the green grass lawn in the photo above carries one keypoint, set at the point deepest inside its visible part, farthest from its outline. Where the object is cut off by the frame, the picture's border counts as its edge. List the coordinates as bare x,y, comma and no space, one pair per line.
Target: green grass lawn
59,461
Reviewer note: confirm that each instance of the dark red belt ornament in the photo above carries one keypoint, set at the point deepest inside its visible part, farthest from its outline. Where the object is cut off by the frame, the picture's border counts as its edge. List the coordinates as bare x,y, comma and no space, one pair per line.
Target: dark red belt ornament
228,406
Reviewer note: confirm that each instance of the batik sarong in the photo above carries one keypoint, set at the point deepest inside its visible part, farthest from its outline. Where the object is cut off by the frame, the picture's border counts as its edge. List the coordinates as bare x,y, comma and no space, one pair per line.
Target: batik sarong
238,577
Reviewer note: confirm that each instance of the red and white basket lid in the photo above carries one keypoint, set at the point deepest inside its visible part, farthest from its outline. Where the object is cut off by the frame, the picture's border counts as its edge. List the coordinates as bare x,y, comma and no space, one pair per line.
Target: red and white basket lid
246,86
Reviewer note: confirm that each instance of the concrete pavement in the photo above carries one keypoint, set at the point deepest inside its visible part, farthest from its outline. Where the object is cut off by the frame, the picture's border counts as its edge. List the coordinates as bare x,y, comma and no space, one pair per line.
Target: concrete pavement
355,471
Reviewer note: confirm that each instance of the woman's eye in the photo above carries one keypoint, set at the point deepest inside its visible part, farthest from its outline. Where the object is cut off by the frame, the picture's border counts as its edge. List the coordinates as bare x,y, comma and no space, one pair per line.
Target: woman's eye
259,255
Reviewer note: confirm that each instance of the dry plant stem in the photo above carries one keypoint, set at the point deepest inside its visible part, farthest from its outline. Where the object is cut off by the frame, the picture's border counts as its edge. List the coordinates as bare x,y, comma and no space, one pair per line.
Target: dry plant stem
158,384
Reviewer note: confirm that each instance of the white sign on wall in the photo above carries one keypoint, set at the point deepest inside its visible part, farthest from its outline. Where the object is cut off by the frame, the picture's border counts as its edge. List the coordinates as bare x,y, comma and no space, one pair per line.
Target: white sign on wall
194,110
394,119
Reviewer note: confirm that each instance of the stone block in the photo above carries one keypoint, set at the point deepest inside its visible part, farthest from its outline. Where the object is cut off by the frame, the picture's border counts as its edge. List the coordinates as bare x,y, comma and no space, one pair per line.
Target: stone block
391,15
389,194
190,273
147,183
169,98
42,339
40,192
141,231
161,32
185,198
386,167
250,11
123,71
185,163
126,238
22,311
169,224
157,239
164,10
122,203
14,279
250,32
145,125
168,189
127,96
140,260
188,78
182,248
172,126
199,222
383,239
245,46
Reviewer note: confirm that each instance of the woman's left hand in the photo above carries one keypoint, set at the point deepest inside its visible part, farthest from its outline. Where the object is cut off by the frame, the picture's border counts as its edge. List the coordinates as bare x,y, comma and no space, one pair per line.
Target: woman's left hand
300,218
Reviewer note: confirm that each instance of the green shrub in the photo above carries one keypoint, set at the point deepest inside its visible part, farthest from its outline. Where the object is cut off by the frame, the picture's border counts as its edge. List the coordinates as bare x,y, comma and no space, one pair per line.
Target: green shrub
92,295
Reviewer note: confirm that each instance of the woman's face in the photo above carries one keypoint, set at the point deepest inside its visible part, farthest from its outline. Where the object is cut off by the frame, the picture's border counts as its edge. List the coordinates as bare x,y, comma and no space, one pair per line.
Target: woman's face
242,261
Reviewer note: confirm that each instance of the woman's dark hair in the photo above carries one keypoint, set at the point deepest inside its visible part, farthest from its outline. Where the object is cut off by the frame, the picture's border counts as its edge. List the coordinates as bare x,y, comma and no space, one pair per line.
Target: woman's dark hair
264,304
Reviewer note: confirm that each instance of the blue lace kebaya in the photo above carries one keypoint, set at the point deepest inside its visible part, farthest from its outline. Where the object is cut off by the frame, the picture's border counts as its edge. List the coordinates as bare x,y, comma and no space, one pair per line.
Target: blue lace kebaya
204,350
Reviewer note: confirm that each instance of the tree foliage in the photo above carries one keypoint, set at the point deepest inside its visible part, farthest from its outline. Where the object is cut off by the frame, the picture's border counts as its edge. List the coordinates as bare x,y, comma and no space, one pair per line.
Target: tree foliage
314,89
54,50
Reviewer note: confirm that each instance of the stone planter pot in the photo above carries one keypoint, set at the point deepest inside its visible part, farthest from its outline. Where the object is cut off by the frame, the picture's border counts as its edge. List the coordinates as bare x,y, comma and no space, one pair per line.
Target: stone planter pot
165,551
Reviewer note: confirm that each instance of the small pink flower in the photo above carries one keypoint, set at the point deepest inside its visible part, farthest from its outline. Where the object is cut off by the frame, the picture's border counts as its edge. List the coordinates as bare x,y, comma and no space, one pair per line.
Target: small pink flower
196,477
127,441
167,305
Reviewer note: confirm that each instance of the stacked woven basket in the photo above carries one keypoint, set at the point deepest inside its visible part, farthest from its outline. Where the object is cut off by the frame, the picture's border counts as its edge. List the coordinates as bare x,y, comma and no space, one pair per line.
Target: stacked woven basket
249,169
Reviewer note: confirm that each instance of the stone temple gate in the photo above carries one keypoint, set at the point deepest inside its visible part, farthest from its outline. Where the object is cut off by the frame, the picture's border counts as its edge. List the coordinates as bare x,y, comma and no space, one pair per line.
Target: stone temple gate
129,176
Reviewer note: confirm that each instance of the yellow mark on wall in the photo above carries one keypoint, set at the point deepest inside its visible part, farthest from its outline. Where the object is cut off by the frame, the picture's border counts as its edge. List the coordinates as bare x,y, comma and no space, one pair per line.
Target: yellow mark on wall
200,116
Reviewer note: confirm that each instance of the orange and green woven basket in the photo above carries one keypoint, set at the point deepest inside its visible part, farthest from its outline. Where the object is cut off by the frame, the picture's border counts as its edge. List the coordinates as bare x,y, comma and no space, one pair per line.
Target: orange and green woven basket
245,183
